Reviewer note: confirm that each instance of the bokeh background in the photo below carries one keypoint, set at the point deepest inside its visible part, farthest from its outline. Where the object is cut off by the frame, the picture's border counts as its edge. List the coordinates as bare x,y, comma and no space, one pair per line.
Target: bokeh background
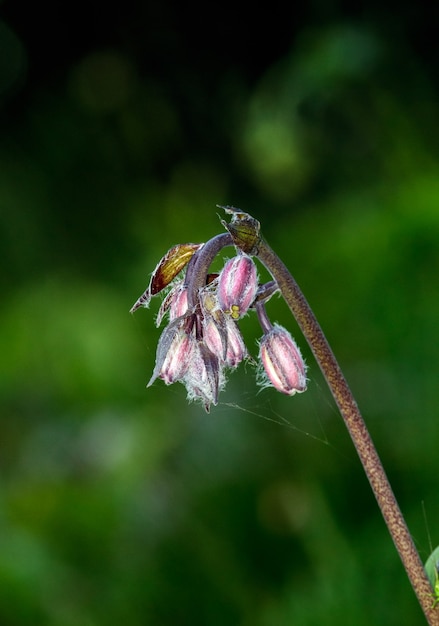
121,129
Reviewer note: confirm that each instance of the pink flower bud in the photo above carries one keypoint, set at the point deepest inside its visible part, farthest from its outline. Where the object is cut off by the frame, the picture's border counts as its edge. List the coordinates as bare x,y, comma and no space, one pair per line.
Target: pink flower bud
214,324
221,333
178,304
175,302
236,350
174,353
224,340
178,358
282,361
215,337
237,285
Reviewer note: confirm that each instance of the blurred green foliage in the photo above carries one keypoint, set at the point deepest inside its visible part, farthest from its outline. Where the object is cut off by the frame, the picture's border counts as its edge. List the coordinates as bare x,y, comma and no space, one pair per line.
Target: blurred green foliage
125,505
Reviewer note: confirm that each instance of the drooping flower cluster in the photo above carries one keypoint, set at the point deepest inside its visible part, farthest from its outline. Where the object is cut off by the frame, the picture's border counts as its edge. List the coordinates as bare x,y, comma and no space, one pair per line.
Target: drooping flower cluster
202,339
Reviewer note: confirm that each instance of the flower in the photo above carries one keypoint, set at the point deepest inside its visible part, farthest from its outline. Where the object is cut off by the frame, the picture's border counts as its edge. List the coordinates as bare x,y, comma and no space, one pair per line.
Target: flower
221,333
174,353
202,339
175,303
236,350
282,362
237,285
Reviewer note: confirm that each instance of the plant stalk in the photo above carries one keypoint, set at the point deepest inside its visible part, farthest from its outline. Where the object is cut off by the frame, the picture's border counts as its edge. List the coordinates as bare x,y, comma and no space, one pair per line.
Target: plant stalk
356,426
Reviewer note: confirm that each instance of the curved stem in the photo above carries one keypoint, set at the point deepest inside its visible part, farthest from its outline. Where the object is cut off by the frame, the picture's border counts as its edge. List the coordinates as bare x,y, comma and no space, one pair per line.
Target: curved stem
263,318
201,262
356,426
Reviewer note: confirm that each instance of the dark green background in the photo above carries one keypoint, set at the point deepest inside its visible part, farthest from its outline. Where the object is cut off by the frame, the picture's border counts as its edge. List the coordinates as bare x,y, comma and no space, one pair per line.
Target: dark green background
121,129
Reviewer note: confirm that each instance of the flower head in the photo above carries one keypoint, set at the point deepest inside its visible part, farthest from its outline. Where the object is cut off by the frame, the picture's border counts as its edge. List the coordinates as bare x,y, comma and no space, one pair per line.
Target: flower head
202,339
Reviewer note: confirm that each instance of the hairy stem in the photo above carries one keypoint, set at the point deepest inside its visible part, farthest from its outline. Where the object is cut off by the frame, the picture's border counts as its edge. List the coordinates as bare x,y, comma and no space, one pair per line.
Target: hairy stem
357,428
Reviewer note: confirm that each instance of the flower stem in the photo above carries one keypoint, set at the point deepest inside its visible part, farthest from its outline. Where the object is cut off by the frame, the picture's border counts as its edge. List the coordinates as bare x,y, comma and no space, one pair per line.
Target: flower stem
201,263
263,318
357,428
